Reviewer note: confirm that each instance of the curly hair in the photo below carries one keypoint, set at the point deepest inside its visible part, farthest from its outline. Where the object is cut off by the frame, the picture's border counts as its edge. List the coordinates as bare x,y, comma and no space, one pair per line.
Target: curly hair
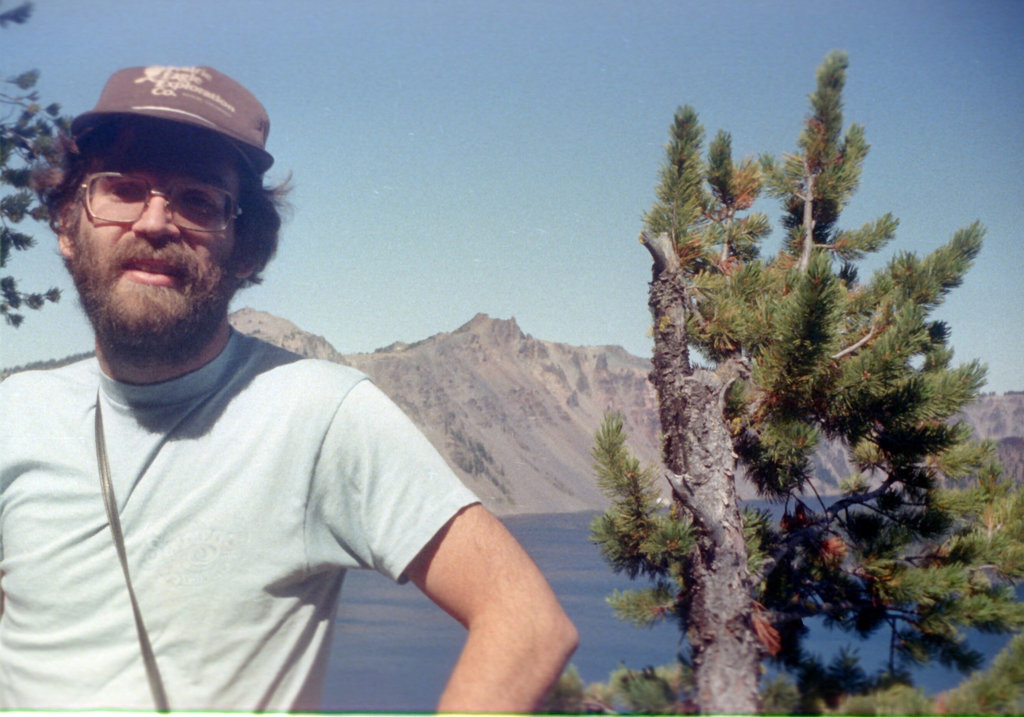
257,228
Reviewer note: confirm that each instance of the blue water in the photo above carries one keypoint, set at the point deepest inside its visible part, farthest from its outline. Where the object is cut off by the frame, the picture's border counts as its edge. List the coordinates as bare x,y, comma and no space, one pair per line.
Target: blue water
393,649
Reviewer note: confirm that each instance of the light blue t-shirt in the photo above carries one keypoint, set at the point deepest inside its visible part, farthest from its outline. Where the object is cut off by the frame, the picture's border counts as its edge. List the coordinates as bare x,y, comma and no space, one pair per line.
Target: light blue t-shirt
245,489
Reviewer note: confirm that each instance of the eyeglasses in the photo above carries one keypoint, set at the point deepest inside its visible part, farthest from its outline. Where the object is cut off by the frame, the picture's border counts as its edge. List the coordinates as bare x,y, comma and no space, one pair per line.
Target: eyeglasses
123,198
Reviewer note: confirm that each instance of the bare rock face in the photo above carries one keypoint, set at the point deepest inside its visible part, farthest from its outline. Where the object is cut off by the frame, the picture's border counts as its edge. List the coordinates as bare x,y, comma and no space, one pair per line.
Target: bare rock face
1001,419
515,416
283,333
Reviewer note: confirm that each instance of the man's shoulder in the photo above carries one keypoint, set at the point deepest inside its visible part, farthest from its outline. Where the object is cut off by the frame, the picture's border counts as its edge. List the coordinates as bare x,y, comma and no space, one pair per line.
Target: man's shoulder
50,399
81,375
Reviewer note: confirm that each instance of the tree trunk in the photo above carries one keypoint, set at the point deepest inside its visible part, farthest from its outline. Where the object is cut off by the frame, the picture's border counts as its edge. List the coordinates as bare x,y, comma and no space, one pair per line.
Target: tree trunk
808,223
699,455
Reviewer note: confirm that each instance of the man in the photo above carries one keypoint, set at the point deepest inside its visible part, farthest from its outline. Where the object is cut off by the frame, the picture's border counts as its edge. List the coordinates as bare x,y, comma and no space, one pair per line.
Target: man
242,481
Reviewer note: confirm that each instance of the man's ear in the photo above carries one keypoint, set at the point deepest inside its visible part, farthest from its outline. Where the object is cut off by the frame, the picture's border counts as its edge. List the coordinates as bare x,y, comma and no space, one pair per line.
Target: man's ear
244,271
67,245
67,228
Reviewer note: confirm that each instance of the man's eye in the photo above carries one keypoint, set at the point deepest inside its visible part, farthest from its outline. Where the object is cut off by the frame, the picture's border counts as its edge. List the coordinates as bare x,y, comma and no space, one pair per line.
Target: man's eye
127,191
199,201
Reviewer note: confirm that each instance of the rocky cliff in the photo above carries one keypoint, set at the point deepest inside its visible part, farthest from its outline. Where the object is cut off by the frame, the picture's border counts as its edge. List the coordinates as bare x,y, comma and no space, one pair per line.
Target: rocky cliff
1001,420
515,416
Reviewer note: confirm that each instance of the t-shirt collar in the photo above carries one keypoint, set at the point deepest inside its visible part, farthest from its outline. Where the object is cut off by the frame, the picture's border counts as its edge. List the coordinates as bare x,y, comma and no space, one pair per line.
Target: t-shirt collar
183,389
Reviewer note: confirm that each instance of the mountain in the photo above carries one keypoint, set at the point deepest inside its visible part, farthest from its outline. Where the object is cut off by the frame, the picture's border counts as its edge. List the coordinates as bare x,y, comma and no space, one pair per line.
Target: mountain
515,416
285,334
1001,419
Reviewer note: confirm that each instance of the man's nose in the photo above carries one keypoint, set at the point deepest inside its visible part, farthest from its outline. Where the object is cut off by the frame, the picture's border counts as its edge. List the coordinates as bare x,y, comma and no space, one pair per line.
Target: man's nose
156,218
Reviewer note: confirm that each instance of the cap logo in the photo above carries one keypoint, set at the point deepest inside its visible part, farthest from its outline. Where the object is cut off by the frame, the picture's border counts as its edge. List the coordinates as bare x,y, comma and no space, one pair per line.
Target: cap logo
169,81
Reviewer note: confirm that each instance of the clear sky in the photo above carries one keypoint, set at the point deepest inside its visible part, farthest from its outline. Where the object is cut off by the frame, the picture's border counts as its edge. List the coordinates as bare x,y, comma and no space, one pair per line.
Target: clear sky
450,158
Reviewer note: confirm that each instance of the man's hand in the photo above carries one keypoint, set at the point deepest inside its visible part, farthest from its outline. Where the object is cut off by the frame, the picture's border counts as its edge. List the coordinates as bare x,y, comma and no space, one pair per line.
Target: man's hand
519,637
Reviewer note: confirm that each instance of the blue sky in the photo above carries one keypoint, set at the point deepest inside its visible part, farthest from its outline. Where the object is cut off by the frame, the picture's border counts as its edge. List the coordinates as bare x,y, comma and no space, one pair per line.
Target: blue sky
450,158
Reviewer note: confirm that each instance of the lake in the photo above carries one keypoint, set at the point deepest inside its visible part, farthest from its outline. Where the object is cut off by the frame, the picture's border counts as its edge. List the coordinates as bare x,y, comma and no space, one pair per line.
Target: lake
393,649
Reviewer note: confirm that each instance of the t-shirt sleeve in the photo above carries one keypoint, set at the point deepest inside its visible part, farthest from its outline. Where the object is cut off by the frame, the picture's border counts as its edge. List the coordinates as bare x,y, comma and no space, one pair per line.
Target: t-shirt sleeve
380,490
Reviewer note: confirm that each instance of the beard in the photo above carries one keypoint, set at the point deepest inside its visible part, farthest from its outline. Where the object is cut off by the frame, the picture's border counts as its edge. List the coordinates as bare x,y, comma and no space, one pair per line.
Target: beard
144,325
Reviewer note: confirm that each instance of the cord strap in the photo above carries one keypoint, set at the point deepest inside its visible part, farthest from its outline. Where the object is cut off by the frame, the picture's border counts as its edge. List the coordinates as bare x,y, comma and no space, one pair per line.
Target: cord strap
156,685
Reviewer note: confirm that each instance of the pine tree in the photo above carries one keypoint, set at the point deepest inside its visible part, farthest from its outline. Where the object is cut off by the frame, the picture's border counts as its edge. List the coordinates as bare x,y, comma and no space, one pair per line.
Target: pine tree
27,135
756,362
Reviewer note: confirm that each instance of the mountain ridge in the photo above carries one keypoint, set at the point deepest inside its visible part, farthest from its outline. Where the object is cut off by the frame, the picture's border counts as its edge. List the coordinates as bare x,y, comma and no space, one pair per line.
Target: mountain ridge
515,416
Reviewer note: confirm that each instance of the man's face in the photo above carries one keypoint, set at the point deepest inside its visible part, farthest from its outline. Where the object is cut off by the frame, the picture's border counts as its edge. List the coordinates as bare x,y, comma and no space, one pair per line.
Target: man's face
154,292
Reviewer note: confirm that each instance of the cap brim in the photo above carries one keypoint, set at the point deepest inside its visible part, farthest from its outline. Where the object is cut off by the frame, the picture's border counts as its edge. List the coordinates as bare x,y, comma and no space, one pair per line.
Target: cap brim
257,158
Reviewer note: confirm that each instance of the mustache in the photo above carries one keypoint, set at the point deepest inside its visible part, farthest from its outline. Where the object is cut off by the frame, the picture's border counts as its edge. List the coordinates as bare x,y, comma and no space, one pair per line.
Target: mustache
170,257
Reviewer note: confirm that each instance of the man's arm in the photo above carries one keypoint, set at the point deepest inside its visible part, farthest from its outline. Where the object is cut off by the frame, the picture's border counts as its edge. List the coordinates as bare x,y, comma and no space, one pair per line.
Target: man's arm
519,637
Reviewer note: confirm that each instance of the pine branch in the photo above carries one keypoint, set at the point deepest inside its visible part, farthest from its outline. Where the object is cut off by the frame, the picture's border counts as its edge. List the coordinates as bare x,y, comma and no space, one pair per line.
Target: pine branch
17,15
861,499
662,250
863,341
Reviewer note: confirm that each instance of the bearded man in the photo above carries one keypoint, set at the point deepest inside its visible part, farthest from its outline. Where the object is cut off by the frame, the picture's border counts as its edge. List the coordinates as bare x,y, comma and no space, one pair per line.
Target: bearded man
178,513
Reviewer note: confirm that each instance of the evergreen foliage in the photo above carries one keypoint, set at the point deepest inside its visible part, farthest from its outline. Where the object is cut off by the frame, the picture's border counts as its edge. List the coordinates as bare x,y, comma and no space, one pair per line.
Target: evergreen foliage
652,690
895,699
28,131
999,689
818,689
926,536
635,535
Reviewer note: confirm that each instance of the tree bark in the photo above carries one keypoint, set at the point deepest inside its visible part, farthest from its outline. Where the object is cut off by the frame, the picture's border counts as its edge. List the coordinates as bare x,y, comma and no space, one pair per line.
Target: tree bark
698,453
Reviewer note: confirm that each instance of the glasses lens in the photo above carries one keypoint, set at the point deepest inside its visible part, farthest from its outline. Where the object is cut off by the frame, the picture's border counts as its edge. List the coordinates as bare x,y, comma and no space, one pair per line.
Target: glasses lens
117,199
200,206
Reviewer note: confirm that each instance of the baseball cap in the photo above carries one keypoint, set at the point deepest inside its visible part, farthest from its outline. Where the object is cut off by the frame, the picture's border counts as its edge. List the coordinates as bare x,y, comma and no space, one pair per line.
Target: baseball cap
199,96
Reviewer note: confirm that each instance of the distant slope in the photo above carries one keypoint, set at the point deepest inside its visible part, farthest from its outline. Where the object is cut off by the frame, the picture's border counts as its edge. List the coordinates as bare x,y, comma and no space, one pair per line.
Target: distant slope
283,333
45,365
513,415
1001,419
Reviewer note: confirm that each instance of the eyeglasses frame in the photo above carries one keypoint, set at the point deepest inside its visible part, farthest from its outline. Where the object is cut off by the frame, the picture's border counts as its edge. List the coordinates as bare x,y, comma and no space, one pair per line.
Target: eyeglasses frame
234,212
